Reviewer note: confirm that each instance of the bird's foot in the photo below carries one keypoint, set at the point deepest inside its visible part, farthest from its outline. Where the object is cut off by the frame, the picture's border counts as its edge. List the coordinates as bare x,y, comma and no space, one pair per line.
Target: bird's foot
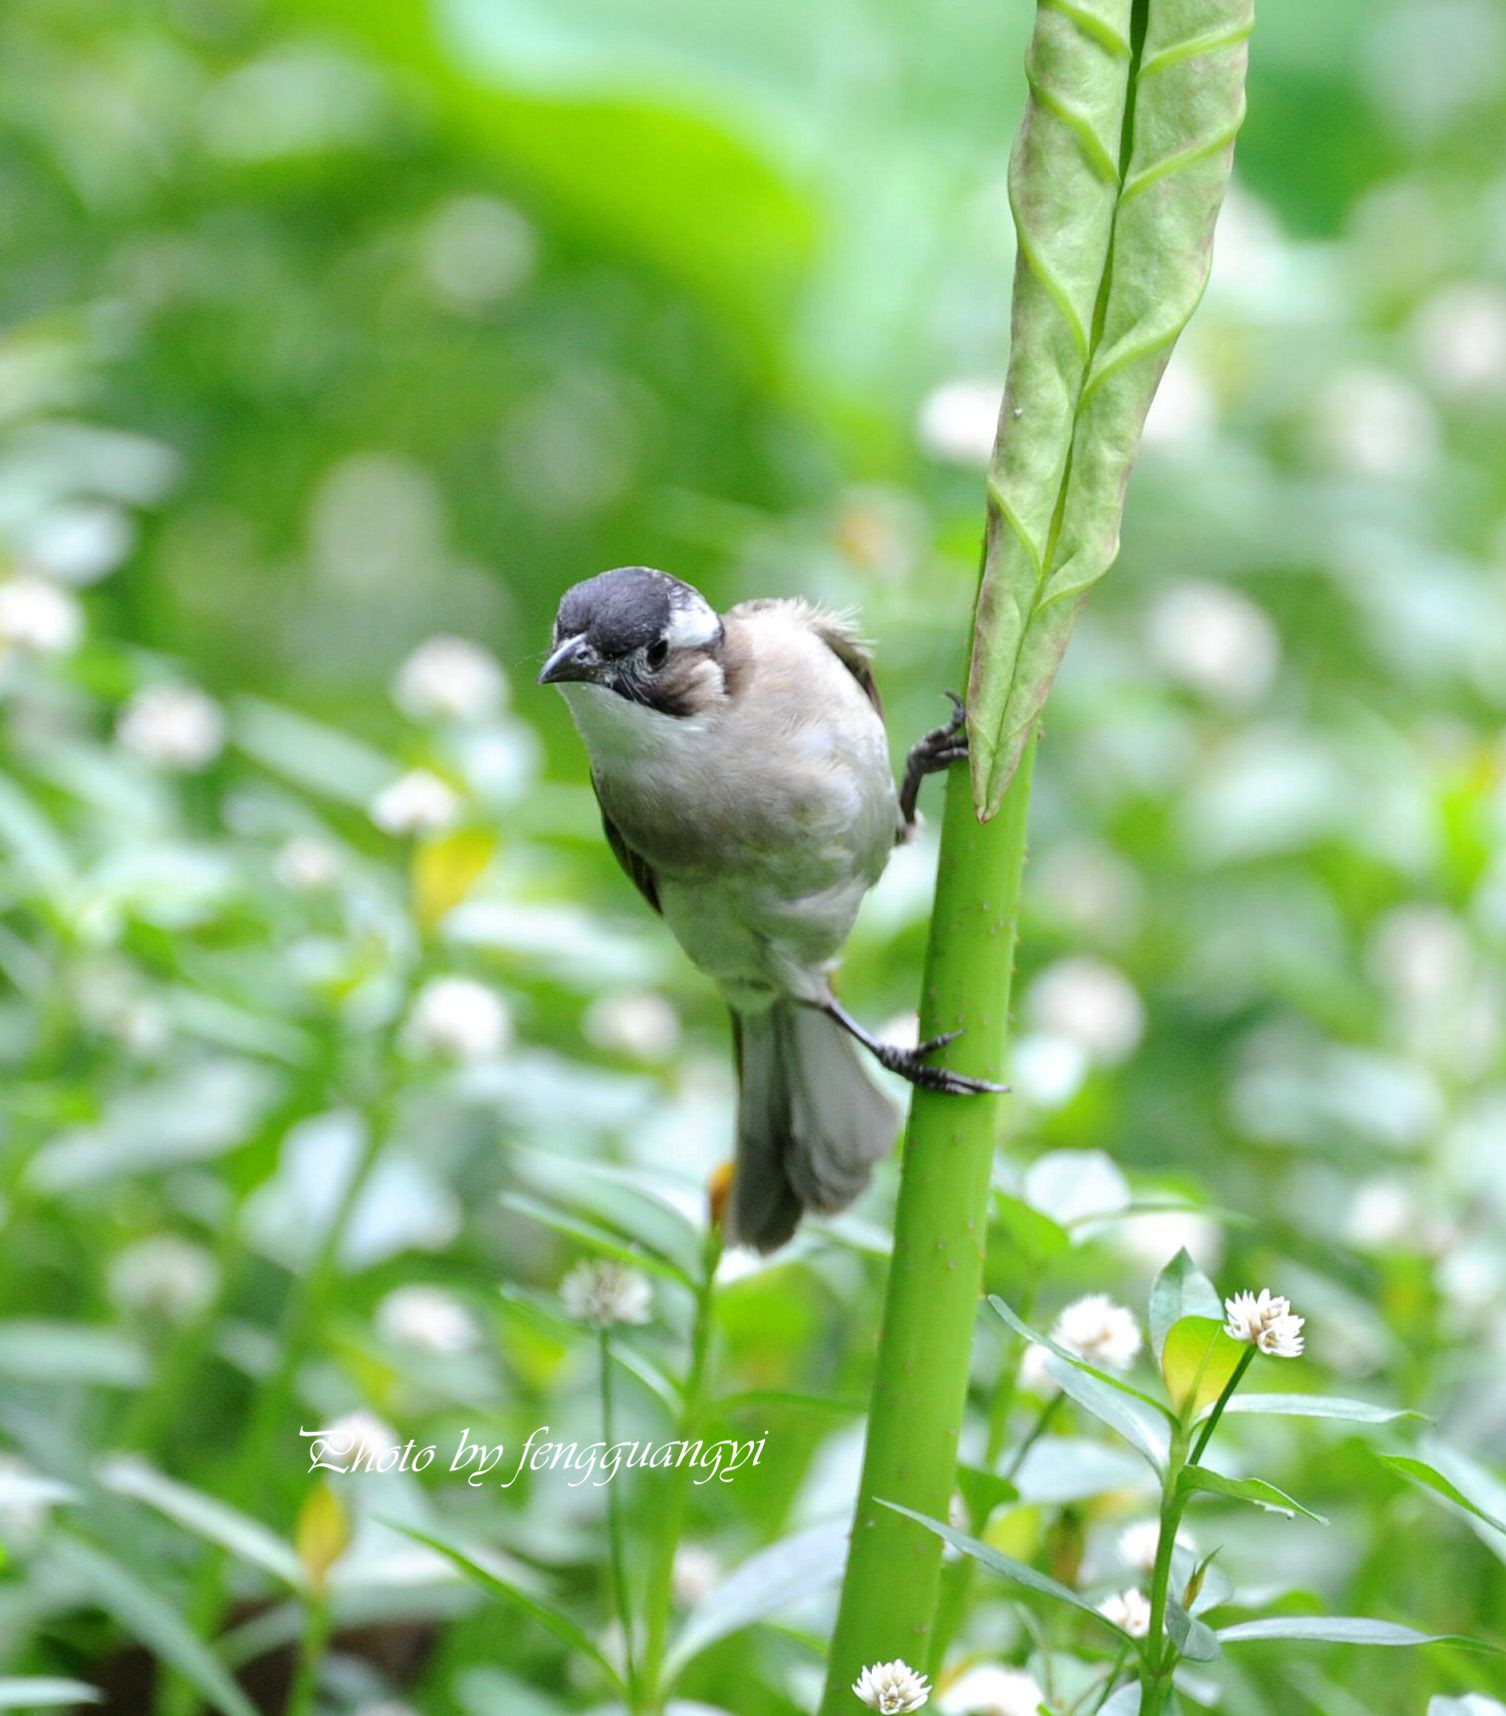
930,755
914,1065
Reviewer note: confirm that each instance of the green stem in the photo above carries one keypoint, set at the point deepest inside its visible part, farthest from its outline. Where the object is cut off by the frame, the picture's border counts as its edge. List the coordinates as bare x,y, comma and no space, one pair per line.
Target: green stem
1113,1675
617,1550
936,1274
1037,1430
659,1602
1245,1361
1160,1655
317,1624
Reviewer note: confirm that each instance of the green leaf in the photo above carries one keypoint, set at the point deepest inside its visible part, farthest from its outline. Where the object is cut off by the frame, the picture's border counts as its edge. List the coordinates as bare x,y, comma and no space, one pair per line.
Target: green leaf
983,1491
215,1521
776,1578
70,1354
1193,1639
1338,1629
1115,183
1006,1566
1197,1361
596,1238
1254,1490
150,1619
491,1578
1430,1478
1027,1333
1122,1413
40,1694
1318,1406
1180,1290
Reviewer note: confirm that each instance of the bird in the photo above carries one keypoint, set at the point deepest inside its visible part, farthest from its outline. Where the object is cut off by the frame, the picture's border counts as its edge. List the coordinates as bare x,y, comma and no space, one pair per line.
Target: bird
741,765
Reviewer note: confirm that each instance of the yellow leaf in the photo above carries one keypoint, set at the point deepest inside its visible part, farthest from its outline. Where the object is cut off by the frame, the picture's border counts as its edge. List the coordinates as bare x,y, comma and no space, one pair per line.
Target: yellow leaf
1197,1360
321,1536
445,870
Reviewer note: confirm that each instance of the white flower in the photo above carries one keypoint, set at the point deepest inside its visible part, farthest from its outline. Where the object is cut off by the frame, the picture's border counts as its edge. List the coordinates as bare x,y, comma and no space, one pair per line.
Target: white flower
1383,1214
696,1572
358,1438
1371,424
891,1686
1460,335
173,727
1098,1331
1184,411
604,1292
474,251
1139,1542
307,865
1266,1322
1153,1237
1129,1611
449,679
958,421
459,1019
633,1022
163,1276
418,802
428,1320
991,1690
1048,1070
40,616
1091,1004
1034,1376
1214,641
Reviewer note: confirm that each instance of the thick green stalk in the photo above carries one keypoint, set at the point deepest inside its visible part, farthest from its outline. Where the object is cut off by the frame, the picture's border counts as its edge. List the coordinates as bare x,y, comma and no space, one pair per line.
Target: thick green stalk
936,1274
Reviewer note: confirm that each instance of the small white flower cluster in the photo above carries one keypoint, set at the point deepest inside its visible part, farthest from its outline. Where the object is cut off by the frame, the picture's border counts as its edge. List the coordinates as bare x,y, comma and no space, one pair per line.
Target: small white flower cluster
360,1437
991,1690
449,679
458,1019
1264,1321
418,802
427,1320
1096,1330
1129,1611
958,421
307,865
891,1686
38,617
163,1276
633,1022
175,727
603,1292
696,1572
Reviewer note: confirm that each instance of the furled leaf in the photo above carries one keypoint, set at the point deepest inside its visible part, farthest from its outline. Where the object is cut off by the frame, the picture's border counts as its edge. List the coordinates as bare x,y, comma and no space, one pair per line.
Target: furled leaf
775,1578
151,1619
1115,183
1197,1360
1005,1565
1254,1490
321,1535
1180,1290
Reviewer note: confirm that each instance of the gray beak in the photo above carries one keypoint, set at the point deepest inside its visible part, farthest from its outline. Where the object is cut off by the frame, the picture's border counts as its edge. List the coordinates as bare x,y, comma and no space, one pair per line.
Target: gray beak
574,659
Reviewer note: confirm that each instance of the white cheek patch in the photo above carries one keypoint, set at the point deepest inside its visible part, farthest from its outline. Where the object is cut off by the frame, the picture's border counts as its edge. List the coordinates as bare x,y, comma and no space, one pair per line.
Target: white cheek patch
691,626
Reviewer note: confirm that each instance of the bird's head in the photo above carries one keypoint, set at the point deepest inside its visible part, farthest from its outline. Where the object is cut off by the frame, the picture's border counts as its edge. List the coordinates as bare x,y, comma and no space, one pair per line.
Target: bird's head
641,635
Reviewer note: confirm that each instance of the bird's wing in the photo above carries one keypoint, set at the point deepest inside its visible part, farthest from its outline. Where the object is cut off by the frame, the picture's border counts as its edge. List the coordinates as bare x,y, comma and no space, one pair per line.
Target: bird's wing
636,866
837,632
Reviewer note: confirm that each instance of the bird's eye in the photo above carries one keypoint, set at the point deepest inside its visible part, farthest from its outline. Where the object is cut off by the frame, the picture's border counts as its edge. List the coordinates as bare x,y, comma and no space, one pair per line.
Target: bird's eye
657,654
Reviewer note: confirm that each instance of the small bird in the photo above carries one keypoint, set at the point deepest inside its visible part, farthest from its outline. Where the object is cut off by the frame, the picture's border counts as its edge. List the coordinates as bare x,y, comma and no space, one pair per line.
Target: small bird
742,769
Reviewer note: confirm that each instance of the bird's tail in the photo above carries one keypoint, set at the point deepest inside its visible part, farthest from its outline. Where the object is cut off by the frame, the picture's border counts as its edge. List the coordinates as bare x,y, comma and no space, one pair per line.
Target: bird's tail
810,1124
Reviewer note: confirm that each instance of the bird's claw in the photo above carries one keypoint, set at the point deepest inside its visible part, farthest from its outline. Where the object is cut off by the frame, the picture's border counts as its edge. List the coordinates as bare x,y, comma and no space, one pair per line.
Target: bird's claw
913,1064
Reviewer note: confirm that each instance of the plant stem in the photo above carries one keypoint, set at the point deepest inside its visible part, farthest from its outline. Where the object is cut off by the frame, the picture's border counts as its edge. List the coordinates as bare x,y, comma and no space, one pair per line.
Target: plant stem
936,1273
1160,1655
317,1621
1246,1359
659,1601
1113,1675
614,1525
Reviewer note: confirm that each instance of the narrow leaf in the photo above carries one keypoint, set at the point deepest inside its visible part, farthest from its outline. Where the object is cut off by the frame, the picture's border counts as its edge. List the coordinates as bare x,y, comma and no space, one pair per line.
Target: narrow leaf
1318,1406
1254,1490
1123,1414
1197,1642
1430,1478
1006,1566
1338,1629
1197,1360
46,1694
151,1619
215,1521
983,1491
1180,1290
1115,184
596,1238
568,1631
775,1578
1027,1333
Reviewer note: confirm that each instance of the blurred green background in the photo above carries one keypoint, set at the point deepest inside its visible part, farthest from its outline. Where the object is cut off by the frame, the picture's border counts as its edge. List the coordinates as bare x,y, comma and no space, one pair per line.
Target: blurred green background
329,327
